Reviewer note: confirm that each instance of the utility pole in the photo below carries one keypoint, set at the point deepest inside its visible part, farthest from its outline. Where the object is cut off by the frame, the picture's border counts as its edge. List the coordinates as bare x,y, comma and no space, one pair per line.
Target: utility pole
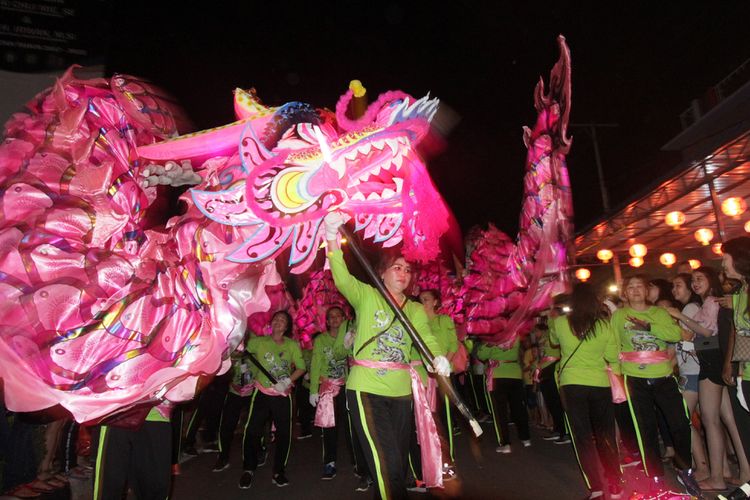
591,129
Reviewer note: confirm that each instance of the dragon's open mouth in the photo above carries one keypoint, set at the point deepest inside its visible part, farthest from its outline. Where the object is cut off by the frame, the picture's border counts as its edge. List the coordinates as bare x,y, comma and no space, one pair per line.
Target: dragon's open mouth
375,167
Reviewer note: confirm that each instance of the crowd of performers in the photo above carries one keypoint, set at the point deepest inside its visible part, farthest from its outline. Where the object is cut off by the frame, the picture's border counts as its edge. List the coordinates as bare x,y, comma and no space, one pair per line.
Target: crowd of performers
363,379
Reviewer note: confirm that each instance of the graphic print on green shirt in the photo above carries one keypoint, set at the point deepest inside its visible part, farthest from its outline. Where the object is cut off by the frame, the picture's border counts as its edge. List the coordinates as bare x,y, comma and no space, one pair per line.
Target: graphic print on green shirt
391,344
663,330
327,360
279,359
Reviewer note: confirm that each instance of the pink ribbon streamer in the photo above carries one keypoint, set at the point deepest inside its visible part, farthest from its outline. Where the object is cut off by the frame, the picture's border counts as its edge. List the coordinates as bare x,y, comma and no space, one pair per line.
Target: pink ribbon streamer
538,371
645,357
490,374
429,441
325,413
431,390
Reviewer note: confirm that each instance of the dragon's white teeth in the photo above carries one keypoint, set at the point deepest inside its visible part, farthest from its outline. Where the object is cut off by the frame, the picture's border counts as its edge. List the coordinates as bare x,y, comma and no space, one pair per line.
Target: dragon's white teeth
398,161
358,196
351,155
394,145
399,184
365,148
373,196
388,193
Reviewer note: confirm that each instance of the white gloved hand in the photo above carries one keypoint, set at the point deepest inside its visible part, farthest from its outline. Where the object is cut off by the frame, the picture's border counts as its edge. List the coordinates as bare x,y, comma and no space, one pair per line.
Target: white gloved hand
282,385
349,339
441,366
314,399
332,222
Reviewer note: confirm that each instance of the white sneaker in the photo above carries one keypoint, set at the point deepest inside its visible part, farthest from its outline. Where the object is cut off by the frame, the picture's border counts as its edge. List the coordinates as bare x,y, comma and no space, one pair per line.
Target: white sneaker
503,449
526,443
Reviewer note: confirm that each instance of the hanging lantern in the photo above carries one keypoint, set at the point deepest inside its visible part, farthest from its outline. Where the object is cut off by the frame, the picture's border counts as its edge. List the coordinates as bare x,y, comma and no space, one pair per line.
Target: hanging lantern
747,226
668,259
734,206
583,274
636,262
675,219
716,248
694,263
704,236
613,288
638,250
604,255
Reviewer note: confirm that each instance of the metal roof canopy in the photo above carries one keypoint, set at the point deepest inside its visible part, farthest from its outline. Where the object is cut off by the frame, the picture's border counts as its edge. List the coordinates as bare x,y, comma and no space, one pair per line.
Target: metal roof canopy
696,190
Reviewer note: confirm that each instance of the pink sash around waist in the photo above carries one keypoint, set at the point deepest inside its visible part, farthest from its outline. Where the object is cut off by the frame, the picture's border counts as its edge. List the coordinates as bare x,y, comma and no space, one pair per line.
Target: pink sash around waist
645,357
270,391
432,468
325,413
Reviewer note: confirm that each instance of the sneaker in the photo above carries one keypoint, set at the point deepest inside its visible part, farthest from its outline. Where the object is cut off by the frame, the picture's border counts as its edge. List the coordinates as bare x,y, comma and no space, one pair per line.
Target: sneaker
687,479
563,439
615,490
527,442
211,447
456,431
595,494
552,437
190,450
221,464
280,480
304,435
262,457
631,460
329,471
503,449
246,479
449,472
417,486
364,484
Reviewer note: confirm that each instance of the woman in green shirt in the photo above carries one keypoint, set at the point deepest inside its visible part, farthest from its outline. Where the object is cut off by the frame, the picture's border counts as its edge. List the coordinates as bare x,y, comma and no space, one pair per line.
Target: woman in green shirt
587,345
379,386
282,358
644,332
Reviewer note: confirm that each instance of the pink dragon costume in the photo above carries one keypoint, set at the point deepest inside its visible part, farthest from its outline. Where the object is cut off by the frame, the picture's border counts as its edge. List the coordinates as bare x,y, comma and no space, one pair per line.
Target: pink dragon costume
101,312
506,285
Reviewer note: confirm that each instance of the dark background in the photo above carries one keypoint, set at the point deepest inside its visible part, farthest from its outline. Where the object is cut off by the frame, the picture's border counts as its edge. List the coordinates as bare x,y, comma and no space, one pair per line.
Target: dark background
635,64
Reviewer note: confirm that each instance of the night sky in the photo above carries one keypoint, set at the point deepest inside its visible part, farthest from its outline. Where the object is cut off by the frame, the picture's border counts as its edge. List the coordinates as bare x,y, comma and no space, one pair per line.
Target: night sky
635,64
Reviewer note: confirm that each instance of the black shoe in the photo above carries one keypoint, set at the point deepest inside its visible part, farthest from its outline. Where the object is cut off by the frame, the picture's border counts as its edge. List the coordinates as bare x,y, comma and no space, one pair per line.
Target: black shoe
329,471
190,450
456,431
280,480
364,483
221,464
262,457
687,479
304,435
246,479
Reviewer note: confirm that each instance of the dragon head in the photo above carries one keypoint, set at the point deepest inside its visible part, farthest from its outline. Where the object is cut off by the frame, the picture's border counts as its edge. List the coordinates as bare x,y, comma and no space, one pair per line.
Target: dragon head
372,172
